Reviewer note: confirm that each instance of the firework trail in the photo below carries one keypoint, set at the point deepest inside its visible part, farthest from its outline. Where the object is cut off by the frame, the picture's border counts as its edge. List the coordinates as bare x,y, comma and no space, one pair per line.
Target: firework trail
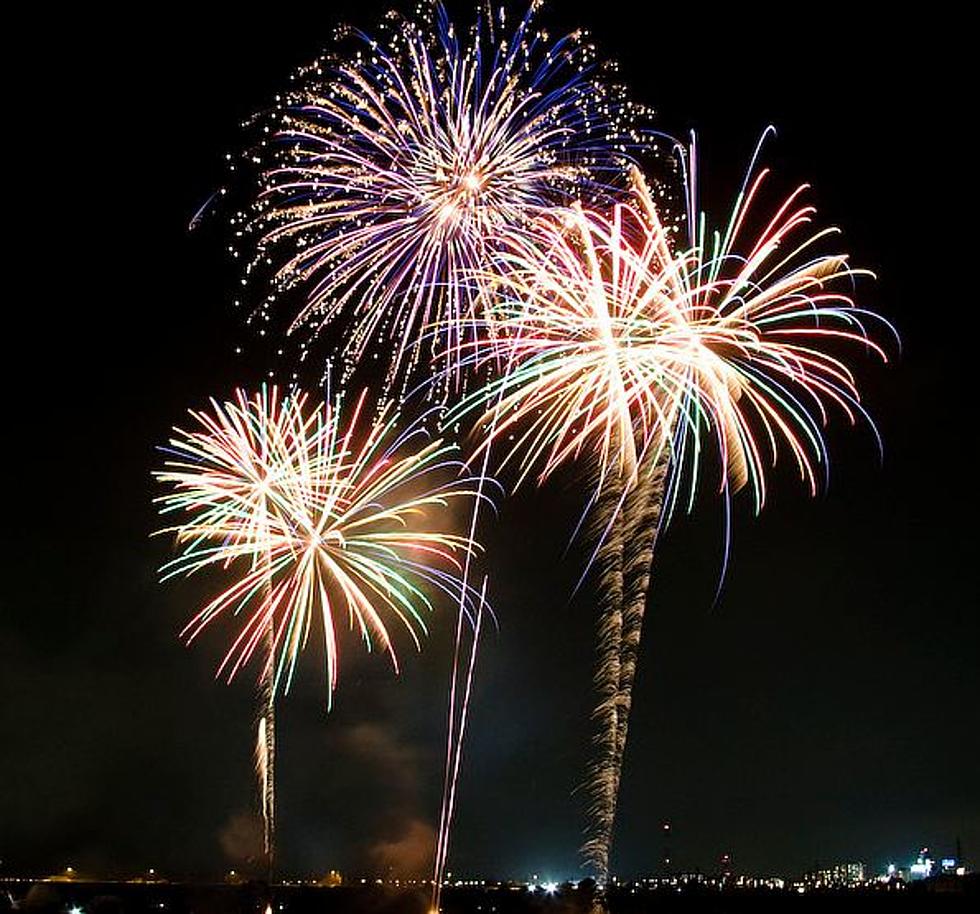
609,636
624,347
399,168
243,448
627,522
311,517
456,731
265,747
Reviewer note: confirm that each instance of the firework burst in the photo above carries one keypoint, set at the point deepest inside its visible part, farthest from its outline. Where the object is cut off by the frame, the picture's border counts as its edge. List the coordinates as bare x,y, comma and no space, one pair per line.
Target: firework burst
399,169
618,340
315,520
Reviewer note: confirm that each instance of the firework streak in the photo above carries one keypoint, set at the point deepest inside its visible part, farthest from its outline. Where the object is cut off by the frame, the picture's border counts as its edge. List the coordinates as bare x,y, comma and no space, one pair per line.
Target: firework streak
638,354
456,731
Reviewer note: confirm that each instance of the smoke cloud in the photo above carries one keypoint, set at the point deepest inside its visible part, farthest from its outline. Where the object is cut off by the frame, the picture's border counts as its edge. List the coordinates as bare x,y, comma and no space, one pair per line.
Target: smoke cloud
241,838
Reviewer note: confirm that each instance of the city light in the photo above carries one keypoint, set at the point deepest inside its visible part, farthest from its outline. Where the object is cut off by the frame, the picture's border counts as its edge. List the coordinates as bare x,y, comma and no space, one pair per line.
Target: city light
922,868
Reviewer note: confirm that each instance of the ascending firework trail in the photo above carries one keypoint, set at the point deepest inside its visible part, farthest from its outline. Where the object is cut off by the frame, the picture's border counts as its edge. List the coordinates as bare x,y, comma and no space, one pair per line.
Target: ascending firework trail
265,749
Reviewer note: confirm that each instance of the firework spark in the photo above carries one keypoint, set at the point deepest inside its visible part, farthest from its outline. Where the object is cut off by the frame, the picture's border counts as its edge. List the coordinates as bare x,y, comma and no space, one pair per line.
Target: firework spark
399,169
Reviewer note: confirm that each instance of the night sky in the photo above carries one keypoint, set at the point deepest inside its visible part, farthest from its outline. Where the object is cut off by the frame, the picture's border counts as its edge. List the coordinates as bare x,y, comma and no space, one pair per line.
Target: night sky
824,709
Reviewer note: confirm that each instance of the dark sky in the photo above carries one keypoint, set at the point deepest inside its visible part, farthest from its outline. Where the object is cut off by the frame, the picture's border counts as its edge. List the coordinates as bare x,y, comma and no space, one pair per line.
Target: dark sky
824,709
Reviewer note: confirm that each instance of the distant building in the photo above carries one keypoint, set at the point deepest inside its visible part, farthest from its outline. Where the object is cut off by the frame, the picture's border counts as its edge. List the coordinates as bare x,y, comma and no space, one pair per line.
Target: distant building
923,867
842,874
894,874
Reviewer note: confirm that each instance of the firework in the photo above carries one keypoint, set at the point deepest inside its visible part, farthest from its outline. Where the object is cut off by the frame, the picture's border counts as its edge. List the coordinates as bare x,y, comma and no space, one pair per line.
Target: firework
529,260
637,350
579,320
400,168
340,529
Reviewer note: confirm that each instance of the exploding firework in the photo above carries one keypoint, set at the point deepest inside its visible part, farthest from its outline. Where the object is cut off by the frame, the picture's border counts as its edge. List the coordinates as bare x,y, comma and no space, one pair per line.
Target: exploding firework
398,170
638,352
339,528
580,314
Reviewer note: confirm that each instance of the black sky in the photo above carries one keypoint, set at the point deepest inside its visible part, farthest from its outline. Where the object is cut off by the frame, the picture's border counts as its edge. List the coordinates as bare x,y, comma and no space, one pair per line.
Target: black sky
825,708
